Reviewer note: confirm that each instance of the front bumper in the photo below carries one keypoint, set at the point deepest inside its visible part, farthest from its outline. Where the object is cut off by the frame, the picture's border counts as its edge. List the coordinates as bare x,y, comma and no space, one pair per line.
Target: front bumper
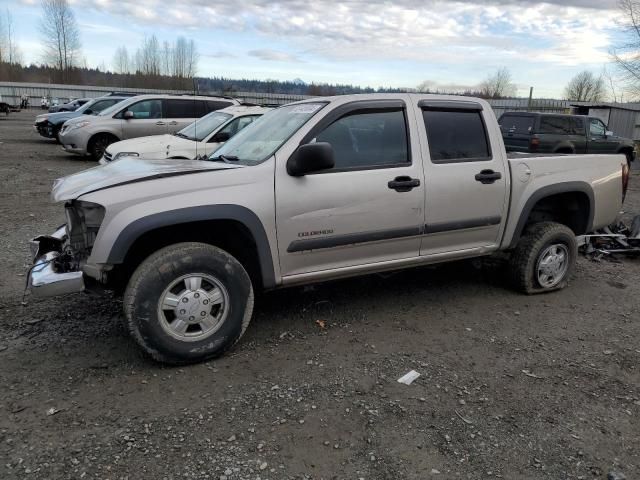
44,280
74,141
45,129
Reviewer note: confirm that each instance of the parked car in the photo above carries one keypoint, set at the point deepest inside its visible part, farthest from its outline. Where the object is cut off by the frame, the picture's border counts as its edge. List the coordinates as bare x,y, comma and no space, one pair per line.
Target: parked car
49,124
70,106
198,139
138,116
555,133
317,190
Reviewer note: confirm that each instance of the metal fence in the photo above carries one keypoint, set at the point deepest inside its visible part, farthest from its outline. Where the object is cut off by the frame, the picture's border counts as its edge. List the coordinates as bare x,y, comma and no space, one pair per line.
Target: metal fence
11,93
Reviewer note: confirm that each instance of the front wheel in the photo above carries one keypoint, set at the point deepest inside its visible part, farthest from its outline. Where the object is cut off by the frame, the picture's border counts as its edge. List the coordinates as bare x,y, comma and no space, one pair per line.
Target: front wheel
188,302
544,258
99,143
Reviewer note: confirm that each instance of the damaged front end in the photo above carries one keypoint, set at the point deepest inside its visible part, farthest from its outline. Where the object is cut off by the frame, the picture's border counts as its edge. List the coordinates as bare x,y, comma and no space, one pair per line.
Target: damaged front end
60,257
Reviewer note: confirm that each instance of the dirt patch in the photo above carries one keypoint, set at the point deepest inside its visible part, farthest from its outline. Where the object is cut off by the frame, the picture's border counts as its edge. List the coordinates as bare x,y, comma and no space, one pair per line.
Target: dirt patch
511,386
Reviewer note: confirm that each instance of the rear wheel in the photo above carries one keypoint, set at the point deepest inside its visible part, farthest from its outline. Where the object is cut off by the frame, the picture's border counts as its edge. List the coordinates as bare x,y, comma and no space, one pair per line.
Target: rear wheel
544,259
99,143
188,302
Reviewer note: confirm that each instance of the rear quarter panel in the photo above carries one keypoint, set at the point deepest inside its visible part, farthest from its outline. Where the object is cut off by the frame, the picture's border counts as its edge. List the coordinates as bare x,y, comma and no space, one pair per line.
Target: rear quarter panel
600,173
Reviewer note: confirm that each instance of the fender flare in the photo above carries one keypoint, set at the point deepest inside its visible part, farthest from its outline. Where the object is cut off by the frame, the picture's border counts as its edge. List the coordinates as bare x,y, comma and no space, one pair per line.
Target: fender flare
549,190
243,215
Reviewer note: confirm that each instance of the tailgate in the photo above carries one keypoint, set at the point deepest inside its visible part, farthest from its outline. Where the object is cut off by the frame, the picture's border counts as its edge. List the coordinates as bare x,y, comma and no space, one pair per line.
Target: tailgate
516,142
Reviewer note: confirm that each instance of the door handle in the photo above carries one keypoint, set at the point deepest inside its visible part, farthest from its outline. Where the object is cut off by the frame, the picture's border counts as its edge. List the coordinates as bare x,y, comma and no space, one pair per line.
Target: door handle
160,123
403,184
488,176
173,123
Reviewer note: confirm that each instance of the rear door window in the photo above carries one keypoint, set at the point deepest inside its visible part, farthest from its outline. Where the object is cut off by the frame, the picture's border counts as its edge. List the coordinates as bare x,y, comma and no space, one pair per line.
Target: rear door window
577,126
556,125
456,136
519,124
183,108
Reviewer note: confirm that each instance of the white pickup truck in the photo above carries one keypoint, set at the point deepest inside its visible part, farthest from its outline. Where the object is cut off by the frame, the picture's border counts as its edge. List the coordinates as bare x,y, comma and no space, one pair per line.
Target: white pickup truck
313,191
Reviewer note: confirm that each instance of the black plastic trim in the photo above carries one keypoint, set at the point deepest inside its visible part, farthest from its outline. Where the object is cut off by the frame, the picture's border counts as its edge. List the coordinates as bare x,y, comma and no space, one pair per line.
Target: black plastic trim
134,230
462,224
565,187
352,238
449,105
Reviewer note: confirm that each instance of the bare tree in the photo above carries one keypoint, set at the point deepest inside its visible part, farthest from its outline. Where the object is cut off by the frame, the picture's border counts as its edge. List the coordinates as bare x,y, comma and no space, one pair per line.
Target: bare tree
167,61
9,51
498,85
148,57
585,87
60,35
626,55
616,93
121,63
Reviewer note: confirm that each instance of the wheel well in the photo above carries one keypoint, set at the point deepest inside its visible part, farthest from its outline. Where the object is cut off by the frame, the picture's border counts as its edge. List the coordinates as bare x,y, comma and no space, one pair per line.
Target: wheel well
96,135
564,150
230,235
626,150
571,209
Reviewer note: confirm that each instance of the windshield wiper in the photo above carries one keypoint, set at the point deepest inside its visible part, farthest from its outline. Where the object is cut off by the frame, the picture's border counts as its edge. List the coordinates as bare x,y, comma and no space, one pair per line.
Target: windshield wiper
225,158
182,135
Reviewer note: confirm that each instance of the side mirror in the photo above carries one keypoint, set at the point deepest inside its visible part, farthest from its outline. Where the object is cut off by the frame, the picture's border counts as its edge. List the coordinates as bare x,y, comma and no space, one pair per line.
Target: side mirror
220,137
88,111
128,115
309,158
608,133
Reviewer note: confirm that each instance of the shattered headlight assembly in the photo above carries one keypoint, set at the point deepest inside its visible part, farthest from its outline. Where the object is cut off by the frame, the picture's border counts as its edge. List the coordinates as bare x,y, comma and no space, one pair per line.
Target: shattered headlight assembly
125,154
75,126
83,223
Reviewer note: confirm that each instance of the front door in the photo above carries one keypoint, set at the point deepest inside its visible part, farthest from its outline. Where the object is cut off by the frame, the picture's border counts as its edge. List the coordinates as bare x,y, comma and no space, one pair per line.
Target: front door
147,120
598,140
369,208
466,180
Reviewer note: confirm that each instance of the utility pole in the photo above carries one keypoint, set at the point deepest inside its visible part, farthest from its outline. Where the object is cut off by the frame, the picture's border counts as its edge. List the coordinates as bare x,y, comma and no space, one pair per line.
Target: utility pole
530,99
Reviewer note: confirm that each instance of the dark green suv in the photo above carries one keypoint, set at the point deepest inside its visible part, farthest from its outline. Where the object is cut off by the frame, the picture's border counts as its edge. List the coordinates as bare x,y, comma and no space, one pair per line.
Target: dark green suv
556,133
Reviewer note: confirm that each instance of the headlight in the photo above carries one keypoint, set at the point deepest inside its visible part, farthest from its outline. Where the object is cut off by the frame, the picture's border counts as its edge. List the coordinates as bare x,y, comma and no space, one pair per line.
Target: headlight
125,154
74,126
41,118
83,222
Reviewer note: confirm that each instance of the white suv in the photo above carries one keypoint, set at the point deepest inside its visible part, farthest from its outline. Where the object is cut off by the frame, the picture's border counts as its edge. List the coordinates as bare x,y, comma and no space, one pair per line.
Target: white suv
198,139
138,116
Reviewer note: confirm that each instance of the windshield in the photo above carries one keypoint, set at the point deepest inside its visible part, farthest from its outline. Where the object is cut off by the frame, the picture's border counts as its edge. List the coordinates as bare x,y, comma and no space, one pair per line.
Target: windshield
202,127
113,108
263,137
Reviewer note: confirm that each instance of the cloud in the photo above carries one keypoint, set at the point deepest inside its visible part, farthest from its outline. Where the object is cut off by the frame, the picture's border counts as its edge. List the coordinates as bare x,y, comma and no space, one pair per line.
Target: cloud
273,55
556,32
219,54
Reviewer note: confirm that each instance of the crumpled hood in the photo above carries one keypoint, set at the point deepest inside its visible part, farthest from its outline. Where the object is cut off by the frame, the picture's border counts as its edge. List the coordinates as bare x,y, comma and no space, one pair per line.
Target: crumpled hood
128,170
59,117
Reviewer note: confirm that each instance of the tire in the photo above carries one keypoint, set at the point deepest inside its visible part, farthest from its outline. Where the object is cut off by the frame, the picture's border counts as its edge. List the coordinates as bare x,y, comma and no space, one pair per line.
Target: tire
544,242
158,326
99,143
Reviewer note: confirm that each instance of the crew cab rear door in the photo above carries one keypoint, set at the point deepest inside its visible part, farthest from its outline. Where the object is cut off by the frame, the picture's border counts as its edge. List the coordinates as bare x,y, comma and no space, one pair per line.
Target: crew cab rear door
466,177
369,208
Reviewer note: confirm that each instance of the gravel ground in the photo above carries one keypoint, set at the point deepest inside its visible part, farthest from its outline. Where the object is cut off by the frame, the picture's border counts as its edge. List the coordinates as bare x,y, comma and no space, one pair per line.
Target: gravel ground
511,386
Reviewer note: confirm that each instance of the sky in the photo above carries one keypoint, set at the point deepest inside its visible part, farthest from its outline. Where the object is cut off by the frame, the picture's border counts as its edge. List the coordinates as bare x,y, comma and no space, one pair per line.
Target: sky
401,43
